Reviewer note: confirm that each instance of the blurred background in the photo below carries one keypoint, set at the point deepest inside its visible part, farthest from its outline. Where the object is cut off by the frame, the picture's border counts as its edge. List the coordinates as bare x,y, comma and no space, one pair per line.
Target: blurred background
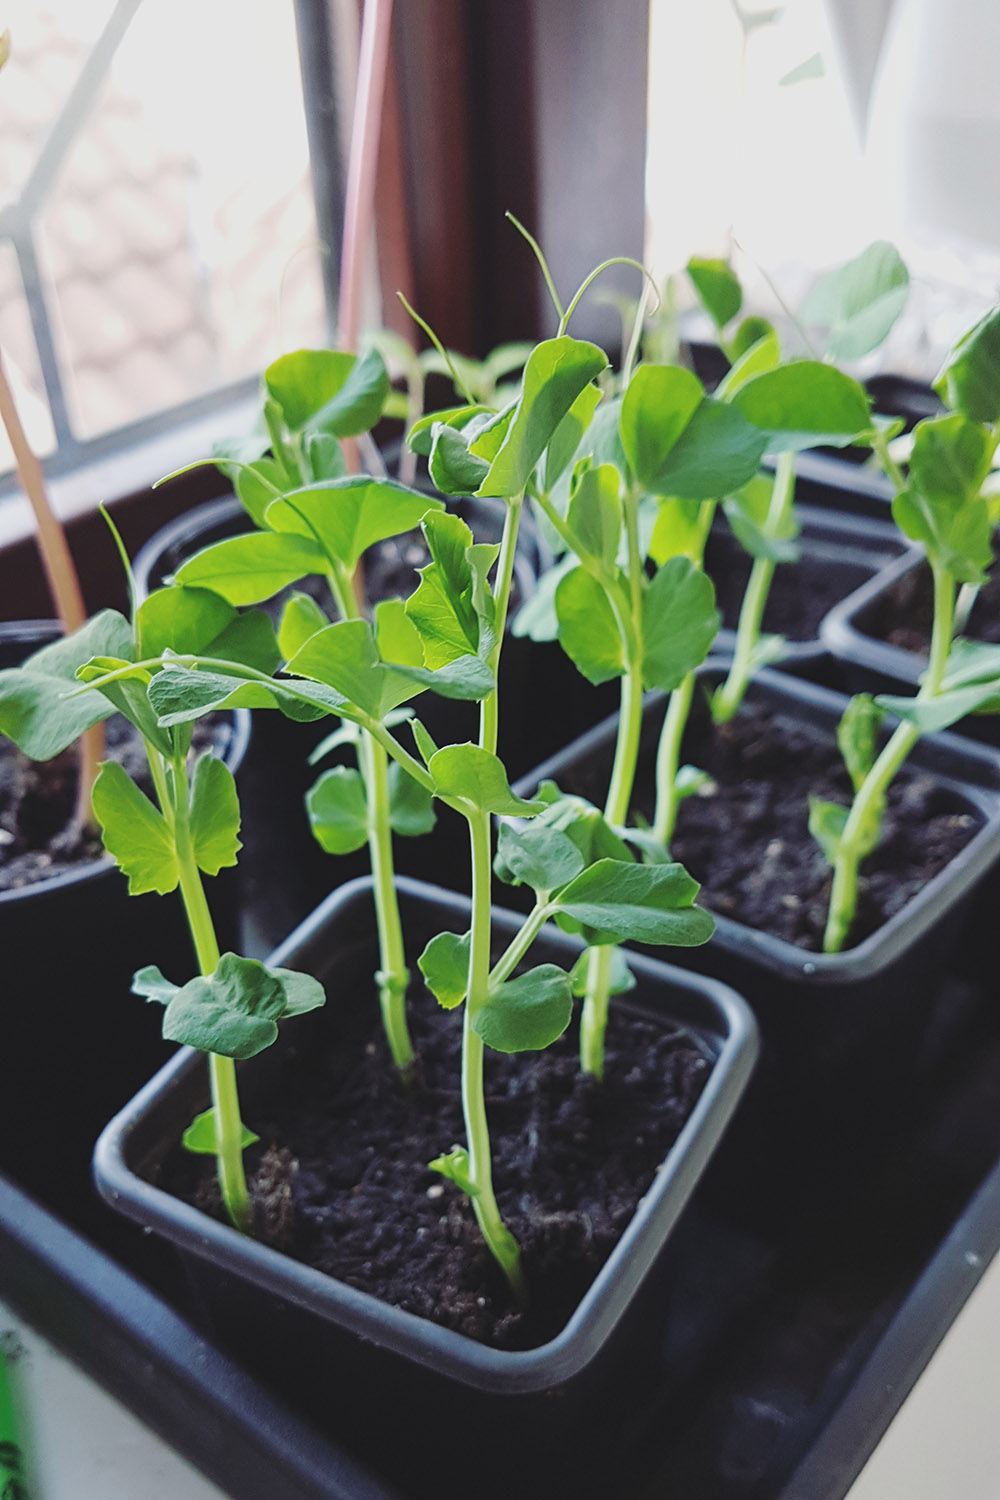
171,183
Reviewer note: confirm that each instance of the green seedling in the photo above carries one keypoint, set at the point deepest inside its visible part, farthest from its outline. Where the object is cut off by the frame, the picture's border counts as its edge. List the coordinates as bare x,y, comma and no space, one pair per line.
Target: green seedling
804,403
448,638
313,519
188,830
941,504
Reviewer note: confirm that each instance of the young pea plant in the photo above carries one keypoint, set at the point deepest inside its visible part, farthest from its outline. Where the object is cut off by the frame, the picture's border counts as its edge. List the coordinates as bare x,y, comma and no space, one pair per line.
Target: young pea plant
449,635
939,503
856,307
231,1009
315,520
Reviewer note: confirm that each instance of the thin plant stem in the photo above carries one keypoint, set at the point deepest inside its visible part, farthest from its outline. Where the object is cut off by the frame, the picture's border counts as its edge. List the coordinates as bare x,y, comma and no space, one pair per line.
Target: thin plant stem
593,1019
729,698
489,709
62,578
498,1237
221,1070
392,977
668,757
872,792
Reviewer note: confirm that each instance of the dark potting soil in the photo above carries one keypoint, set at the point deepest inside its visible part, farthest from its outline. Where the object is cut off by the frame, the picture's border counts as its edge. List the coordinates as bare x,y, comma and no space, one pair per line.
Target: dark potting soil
571,1160
749,842
38,838
746,836
904,614
800,595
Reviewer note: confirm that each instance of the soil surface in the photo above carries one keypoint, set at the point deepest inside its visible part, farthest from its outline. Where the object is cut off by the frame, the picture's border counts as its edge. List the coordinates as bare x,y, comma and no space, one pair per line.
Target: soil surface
38,838
746,838
801,593
346,1186
904,614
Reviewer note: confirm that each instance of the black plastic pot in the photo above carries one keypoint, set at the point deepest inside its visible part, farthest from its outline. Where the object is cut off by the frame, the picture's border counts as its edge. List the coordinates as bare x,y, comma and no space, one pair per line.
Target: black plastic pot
844,1036
335,1347
285,873
70,945
838,552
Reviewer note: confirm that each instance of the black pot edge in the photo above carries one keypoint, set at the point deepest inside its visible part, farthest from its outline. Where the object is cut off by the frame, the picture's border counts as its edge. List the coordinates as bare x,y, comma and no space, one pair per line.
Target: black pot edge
448,1353
29,631
116,1331
843,638
979,782
903,1352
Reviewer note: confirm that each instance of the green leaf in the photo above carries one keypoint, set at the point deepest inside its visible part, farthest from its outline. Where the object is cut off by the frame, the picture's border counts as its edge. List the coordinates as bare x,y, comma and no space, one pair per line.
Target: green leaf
300,620
35,711
421,435
258,485
679,442
969,381
344,517
537,619
931,715
621,979
588,628
748,514
595,512
860,302
134,832
804,403
249,640
754,359
941,505
338,810
453,469
182,620
583,824
152,986
200,1135
718,288
455,1167
857,736
324,458
615,902
215,815
424,742
677,531
568,435
528,1013
826,824
248,569
750,332
411,806
444,964
234,1011
180,695
556,372
328,390
453,607
130,696
679,623
536,855
471,773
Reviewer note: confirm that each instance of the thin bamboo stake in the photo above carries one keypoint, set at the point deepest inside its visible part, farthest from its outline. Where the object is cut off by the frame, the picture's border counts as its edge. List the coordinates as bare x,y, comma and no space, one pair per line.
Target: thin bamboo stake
64,584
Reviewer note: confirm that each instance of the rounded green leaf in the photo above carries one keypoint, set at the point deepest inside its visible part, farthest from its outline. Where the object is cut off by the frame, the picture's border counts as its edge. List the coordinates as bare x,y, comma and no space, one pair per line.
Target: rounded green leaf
969,381
718,288
804,403
444,964
248,569
679,623
589,632
536,855
471,773
338,811
614,902
528,1013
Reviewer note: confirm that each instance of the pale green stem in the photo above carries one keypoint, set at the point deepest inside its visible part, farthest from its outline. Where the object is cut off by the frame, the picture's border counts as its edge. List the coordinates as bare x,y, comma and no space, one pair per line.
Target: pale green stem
967,596
498,1237
727,701
221,1070
668,757
594,1016
392,977
521,942
871,795
489,711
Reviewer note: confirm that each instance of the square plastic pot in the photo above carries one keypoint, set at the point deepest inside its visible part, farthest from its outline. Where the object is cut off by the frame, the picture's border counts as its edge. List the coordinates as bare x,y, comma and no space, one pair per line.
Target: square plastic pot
328,1345
844,1036
70,945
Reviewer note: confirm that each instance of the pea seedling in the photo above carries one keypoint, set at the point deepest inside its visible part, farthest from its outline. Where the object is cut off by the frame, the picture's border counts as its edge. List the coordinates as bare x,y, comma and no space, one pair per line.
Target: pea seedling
941,504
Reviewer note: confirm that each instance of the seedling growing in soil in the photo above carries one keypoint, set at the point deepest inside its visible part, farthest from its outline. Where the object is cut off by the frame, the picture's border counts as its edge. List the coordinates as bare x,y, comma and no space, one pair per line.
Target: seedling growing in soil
448,636
939,503
187,830
315,520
